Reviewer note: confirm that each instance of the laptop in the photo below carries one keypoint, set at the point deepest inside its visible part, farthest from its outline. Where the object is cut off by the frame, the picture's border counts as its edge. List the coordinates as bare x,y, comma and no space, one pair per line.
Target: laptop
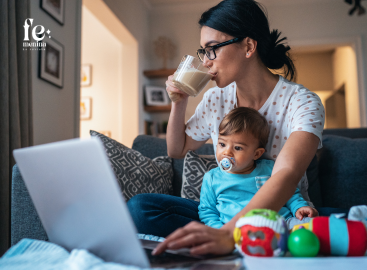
78,200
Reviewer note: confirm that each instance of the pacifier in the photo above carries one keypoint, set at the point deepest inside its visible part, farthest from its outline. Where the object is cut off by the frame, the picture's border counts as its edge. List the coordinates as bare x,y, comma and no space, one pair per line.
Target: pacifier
226,164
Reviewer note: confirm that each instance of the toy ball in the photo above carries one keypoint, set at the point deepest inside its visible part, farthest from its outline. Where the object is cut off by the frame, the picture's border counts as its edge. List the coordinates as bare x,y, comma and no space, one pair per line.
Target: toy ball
303,243
261,233
339,236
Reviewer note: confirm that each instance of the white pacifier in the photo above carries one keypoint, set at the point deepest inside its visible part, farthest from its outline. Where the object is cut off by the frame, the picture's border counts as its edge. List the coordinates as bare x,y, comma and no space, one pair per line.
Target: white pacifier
226,164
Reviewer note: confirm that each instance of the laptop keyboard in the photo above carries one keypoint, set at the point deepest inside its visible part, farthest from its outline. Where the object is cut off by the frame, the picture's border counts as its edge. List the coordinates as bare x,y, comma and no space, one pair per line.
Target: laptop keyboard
168,259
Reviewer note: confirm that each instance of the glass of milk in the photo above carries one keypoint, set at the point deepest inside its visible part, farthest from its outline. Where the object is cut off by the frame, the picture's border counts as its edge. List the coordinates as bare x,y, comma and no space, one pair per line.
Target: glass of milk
191,76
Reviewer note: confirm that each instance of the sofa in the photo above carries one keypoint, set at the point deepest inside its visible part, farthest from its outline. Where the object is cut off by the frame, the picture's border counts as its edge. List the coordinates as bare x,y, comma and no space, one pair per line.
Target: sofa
337,177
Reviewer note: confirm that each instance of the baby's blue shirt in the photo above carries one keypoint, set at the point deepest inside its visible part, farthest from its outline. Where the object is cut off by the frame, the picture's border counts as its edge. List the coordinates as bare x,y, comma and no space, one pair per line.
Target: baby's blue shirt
225,194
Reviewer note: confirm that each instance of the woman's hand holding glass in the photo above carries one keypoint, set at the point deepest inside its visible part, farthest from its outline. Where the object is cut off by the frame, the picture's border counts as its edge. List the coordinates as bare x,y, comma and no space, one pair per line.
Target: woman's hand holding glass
174,94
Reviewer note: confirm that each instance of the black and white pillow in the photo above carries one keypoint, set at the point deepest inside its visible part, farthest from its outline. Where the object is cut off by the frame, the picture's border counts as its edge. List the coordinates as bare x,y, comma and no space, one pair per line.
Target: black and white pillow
135,173
195,166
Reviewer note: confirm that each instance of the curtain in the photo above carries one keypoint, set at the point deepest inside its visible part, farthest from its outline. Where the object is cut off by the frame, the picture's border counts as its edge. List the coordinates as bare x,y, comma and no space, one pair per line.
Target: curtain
16,125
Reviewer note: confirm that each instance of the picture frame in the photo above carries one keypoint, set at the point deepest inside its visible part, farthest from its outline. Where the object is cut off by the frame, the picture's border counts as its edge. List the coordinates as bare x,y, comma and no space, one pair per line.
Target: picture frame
86,75
156,96
51,63
85,108
55,8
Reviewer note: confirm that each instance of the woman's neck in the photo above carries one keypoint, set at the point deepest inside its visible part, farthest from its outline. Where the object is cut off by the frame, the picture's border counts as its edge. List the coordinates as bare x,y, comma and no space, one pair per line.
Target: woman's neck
254,89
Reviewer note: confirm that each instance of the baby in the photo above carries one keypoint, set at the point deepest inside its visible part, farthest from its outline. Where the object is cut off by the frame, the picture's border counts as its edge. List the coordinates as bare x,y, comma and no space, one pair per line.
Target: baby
226,190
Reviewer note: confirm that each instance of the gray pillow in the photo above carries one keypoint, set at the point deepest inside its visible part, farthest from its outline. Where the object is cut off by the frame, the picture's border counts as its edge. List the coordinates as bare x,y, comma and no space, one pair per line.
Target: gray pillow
135,173
343,171
195,166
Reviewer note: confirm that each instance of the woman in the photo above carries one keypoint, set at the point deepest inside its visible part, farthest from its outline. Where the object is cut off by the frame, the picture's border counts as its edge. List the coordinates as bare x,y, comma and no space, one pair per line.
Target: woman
239,49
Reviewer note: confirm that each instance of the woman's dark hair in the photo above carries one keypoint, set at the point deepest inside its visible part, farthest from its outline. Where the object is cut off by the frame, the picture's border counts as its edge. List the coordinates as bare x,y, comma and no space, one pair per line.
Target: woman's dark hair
246,18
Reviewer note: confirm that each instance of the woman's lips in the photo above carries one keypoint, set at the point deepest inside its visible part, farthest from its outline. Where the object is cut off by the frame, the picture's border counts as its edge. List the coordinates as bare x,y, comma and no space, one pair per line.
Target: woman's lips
214,75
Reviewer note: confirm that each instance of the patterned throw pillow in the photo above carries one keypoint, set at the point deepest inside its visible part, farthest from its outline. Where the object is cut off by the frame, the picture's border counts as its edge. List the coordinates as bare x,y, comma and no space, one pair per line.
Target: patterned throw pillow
195,167
135,173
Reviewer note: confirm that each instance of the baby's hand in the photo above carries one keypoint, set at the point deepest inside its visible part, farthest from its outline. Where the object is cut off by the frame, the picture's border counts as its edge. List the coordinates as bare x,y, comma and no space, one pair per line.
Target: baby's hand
306,211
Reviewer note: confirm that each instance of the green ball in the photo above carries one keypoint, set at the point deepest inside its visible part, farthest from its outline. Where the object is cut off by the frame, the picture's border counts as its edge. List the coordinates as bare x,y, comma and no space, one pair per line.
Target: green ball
303,243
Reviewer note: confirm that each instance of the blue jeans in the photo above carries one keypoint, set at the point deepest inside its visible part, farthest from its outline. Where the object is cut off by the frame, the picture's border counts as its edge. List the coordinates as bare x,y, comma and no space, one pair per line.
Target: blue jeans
161,214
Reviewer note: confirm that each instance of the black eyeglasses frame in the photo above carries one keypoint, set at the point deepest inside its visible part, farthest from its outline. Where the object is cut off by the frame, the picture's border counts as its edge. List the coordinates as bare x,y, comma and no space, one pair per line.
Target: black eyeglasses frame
214,47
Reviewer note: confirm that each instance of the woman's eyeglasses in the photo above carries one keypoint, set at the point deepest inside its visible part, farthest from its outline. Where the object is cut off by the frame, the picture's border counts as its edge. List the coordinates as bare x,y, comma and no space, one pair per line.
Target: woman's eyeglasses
209,51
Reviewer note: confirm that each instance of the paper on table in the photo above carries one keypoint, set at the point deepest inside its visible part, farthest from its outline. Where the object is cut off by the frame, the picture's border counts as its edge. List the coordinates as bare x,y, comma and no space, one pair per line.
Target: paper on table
332,263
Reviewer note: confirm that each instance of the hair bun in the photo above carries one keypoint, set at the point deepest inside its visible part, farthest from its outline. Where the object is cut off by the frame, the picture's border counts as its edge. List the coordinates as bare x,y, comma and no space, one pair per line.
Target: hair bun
278,56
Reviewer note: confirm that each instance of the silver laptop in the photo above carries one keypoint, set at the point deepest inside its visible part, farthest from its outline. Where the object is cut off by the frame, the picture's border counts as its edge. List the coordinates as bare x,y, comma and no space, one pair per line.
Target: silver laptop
79,202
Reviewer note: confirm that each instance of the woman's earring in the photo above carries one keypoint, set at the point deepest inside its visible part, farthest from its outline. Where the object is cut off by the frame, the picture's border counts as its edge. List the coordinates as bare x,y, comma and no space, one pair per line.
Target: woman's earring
248,54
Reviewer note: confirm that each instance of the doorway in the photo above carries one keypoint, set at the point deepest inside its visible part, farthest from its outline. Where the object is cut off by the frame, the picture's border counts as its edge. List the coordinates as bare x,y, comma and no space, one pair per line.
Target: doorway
331,72
109,99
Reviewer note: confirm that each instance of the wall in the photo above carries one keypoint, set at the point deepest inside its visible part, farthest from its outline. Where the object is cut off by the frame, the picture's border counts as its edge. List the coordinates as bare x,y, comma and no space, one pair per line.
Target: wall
314,70
135,17
102,50
55,110
305,23
345,70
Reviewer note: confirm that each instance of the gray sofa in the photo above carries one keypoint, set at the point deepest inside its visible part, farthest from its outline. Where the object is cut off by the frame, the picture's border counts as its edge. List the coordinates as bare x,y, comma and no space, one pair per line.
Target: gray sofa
337,177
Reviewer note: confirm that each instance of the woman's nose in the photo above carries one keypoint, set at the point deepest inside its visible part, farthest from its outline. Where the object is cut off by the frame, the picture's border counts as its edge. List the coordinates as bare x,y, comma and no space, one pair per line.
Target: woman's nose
206,62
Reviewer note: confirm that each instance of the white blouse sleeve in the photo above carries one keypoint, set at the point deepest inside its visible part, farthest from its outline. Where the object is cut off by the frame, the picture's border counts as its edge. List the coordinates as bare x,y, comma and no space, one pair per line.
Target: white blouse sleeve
197,127
307,114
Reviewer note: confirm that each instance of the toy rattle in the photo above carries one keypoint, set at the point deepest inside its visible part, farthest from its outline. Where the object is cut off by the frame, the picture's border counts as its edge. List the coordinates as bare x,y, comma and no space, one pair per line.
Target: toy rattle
338,236
262,233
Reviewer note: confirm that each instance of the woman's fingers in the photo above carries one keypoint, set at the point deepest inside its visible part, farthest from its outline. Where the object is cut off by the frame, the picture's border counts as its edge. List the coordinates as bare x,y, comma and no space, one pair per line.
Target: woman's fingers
177,235
206,248
174,93
189,240
200,238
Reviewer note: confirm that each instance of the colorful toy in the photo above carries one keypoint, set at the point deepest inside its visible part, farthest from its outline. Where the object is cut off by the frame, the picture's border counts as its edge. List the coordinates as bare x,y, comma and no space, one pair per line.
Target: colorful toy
261,233
338,236
303,243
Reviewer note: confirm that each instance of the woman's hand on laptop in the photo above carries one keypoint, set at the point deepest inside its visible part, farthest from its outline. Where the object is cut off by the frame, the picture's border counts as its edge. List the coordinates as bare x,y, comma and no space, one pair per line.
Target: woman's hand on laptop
200,238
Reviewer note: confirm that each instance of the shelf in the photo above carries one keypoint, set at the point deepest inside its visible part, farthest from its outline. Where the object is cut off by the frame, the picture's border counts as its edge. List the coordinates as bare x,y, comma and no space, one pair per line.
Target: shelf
166,108
159,73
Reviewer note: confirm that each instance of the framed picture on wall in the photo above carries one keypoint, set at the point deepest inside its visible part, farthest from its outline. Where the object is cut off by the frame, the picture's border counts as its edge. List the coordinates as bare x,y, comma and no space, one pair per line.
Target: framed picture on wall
51,62
86,75
156,96
85,108
55,8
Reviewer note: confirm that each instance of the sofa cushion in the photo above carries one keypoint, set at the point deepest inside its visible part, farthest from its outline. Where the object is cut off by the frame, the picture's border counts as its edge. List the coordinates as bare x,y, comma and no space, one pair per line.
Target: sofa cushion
151,147
195,166
343,171
136,173
25,222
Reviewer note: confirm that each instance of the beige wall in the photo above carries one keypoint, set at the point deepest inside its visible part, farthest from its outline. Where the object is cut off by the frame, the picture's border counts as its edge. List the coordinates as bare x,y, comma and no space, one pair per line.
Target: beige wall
345,72
134,15
128,95
314,70
55,110
102,50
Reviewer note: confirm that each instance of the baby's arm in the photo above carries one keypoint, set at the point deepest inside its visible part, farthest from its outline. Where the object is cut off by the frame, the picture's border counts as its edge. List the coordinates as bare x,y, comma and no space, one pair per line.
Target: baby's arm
208,211
296,202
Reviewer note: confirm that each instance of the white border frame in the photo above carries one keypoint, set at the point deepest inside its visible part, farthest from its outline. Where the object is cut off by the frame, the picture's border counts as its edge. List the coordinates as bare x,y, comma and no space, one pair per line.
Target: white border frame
356,43
42,73
148,96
